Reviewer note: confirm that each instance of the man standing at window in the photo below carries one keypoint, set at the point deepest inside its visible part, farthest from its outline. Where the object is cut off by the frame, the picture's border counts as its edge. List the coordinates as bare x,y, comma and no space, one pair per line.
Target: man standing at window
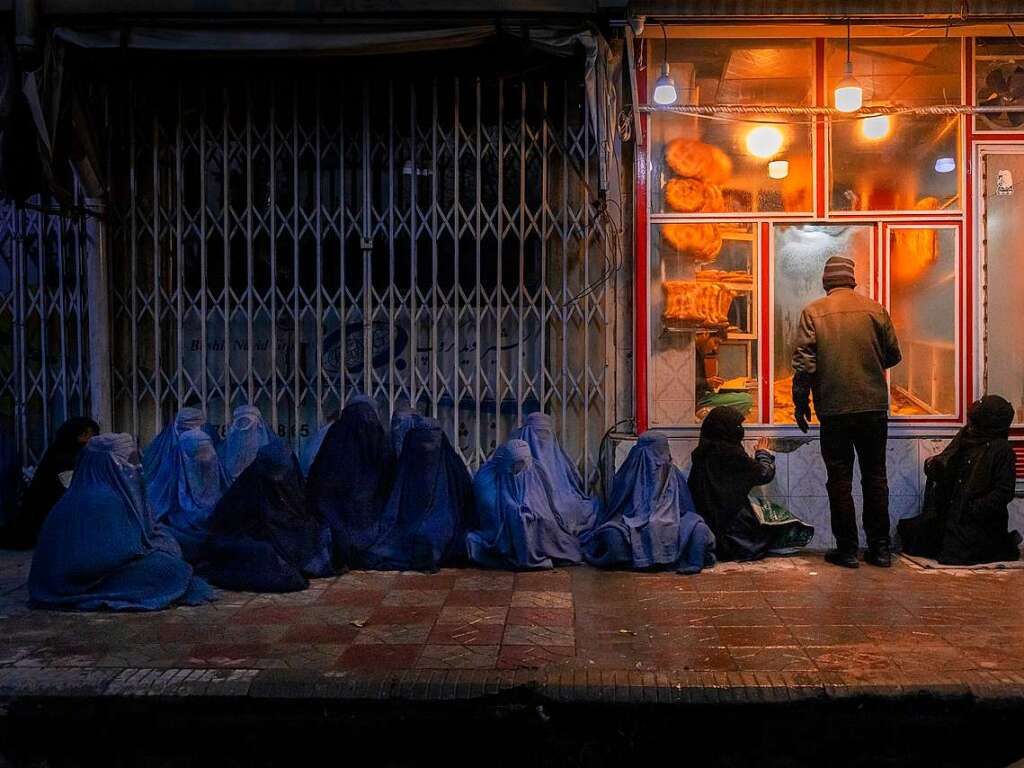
844,345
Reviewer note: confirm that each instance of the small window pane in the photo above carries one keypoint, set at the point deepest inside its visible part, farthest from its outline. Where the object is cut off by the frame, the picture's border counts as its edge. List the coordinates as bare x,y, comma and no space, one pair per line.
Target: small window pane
720,164
922,297
999,81
703,321
801,251
899,162
1004,279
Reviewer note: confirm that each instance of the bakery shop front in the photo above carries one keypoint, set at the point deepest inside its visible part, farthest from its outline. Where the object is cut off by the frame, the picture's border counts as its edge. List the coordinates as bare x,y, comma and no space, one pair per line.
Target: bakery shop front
764,151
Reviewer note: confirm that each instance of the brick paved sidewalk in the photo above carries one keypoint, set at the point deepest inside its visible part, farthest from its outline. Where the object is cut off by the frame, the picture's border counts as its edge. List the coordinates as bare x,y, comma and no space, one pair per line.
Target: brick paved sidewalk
782,630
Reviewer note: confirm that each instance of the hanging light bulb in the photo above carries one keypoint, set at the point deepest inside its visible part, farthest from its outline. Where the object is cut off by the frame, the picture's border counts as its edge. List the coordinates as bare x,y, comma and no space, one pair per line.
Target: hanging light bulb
778,169
849,95
764,141
664,86
876,127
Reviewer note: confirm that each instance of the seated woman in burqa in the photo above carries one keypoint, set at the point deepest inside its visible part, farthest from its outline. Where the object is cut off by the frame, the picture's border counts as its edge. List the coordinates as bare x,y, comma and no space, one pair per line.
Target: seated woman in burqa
49,482
430,507
160,457
518,528
650,521
565,486
199,484
246,435
722,477
350,479
100,547
260,536
312,446
402,420
964,519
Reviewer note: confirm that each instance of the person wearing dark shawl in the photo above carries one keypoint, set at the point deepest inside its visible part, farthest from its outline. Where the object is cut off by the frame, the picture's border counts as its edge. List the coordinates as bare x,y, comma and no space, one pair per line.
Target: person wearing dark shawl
517,527
10,480
260,536
246,435
562,479
100,547
431,505
964,518
350,479
402,420
650,520
49,482
200,483
160,460
721,479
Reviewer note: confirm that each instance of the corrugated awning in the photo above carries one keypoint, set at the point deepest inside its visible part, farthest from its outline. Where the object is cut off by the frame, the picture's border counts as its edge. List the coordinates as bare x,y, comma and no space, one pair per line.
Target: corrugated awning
866,10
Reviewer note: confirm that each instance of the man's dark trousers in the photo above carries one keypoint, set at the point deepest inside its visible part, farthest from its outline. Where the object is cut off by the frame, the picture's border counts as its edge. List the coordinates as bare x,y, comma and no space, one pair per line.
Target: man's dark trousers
841,436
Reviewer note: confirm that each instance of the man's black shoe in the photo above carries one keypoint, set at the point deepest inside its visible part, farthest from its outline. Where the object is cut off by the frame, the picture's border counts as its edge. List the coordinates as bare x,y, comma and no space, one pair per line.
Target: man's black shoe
842,559
879,556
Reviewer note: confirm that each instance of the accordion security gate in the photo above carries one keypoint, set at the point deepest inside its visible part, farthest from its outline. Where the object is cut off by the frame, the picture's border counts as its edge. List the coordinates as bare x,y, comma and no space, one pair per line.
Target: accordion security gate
44,357
293,241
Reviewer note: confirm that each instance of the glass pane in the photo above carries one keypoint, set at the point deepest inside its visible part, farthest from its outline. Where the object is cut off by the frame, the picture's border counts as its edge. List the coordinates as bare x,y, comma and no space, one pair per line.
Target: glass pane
801,251
922,298
896,162
703,321
711,165
1004,279
999,81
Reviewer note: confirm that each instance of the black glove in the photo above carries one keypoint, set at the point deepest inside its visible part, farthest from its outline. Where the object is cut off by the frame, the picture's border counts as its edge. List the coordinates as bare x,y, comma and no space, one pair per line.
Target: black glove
802,400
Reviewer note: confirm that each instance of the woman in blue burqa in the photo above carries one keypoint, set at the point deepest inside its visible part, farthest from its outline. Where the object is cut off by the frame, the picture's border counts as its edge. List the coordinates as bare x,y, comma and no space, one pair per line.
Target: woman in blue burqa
650,521
49,482
349,481
200,483
431,505
402,420
518,527
312,446
246,435
160,458
562,479
260,536
100,547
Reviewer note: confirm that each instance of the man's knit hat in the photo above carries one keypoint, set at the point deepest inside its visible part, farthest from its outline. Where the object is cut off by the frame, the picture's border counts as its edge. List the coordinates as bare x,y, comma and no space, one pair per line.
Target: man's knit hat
838,273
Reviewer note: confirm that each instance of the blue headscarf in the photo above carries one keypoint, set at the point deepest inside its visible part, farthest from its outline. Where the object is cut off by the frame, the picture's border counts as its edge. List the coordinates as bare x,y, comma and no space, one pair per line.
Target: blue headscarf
261,537
160,460
402,420
518,527
424,523
563,481
246,435
650,519
100,547
349,480
200,484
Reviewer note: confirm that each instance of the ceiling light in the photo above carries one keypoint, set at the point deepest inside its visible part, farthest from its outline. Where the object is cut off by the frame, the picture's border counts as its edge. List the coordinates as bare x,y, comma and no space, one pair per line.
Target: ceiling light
849,94
664,86
876,127
778,169
764,141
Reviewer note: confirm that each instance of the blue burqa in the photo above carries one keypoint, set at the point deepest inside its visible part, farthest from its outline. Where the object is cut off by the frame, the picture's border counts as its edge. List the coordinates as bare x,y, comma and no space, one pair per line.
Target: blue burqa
518,527
402,420
650,520
561,478
425,520
246,435
160,460
200,484
261,537
100,547
312,448
349,481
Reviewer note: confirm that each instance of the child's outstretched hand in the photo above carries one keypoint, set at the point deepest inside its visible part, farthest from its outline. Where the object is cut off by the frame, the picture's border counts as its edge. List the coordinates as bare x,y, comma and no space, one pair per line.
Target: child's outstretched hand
764,444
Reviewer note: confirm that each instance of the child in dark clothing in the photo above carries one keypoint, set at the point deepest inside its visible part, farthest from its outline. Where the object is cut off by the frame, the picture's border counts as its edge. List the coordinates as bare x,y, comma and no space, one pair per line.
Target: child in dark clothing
722,477
964,519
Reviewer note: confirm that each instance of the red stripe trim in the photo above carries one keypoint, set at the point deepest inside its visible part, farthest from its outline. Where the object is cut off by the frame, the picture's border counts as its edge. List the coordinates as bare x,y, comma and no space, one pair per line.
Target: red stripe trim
763,349
967,240
820,149
640,259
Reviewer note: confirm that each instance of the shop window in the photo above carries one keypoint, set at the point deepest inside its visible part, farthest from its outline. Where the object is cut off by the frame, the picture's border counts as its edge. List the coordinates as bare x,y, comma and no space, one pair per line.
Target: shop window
899,162
720,165
923,305
1003,222
800,253
999,82
703,320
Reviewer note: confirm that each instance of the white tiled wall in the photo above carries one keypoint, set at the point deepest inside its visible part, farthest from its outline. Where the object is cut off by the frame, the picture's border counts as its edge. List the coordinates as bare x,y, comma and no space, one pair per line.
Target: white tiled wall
799,482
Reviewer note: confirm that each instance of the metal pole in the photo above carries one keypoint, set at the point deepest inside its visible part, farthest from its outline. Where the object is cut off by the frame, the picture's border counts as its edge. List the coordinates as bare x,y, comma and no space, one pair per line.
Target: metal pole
97,272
